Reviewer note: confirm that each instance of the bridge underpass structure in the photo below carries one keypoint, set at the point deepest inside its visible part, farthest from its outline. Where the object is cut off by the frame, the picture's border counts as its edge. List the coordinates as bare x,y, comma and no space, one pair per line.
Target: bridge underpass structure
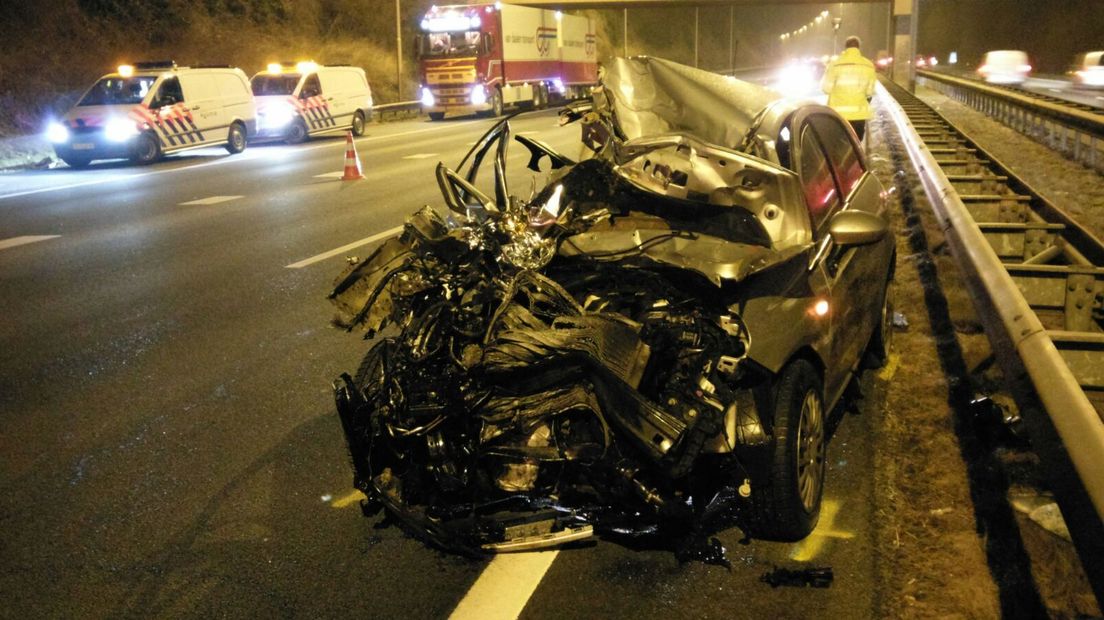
901,27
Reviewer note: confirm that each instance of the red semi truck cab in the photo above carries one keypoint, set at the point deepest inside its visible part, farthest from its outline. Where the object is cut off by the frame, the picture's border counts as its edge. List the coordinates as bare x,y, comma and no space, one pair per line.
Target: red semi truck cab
485,57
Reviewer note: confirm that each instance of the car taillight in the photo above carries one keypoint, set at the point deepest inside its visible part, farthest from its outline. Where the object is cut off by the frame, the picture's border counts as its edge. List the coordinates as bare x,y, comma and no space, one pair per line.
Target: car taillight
983,69
1025,68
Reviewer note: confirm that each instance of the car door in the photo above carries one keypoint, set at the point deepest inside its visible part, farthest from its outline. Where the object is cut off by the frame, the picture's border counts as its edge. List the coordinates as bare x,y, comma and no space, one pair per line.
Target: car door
174,123
825,196
313,106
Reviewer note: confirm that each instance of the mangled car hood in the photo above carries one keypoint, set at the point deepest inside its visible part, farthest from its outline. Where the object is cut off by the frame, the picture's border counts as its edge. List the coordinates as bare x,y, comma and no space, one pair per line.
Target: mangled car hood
652,96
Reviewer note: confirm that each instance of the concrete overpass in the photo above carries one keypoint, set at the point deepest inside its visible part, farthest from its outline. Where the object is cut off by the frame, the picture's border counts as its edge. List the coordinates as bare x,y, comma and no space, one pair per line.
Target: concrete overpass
902,25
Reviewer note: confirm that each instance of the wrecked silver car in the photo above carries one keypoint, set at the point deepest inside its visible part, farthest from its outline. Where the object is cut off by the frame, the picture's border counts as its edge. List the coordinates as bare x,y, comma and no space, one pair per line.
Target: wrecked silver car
650,344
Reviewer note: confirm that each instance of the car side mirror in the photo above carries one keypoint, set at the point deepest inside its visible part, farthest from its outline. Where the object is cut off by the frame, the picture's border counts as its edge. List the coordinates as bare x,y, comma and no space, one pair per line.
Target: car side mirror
853,228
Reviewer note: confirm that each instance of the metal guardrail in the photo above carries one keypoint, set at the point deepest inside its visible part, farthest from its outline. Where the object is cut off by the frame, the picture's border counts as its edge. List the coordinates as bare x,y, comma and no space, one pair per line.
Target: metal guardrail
1073,129
1037,282
399,109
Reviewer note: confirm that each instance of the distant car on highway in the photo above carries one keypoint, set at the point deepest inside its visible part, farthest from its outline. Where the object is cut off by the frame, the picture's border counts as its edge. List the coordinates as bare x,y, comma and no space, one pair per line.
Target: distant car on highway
297,101
1088,70
1005,67
149,109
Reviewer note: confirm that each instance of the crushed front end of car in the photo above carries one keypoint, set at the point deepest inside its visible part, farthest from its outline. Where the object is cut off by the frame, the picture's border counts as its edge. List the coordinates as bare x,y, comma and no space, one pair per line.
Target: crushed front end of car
574,364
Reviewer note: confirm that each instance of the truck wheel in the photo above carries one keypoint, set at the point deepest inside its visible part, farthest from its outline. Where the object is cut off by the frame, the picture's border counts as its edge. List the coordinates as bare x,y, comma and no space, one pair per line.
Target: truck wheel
436,116
358,123
147,149
297,132
497,107
540,99
76,162
235,139
786,507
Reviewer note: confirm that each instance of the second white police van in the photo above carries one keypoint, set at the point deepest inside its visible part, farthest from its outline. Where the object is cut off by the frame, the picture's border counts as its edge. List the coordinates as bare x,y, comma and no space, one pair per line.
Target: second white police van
146,110
304,99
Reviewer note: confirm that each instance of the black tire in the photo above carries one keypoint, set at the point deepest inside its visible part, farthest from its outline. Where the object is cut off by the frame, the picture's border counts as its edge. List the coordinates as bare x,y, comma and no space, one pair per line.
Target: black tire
296,132
881,340
786,507
147,149
76,162
540,99
497,106
235,138
358,123
436,116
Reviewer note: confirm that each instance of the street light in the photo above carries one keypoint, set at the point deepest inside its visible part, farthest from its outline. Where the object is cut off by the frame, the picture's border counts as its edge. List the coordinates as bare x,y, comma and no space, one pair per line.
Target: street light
836,21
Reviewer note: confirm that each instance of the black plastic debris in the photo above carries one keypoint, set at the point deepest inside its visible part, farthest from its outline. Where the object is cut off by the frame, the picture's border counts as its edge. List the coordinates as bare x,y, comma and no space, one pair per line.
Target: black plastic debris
704,550
998,422
815,577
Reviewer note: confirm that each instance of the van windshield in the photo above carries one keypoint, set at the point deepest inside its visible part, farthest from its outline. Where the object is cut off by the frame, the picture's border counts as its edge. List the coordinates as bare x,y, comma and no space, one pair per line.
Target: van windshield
119,91
283,84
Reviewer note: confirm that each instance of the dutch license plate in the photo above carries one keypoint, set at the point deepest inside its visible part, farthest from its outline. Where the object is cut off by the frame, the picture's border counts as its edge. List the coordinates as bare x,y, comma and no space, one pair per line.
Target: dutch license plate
83,146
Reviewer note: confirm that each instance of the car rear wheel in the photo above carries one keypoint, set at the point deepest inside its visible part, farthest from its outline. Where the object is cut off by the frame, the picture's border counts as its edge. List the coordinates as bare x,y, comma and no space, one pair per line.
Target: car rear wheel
877,351
147,149
786,507
358,123
235,139
297,132
436,116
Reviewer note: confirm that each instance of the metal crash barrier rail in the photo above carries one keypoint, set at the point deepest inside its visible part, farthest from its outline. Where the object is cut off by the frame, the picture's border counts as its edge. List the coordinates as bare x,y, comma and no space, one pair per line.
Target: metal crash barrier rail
1070,128
1036,278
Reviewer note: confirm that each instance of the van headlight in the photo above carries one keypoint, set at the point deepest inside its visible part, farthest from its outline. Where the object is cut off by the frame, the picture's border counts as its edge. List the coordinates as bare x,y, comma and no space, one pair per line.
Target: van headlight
478,95
276,115
120,130
427,98
57,133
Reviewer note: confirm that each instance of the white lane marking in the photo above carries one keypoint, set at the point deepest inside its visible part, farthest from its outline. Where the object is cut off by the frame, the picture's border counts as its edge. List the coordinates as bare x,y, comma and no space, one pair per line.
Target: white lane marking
345,248
330,175
224,160
505,586
419,156
531,131
24,240
213,200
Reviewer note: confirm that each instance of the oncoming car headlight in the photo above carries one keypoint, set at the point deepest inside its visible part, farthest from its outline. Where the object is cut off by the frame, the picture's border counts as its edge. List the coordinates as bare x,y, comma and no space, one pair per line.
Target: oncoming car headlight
427,98
56,132
120,130
478,95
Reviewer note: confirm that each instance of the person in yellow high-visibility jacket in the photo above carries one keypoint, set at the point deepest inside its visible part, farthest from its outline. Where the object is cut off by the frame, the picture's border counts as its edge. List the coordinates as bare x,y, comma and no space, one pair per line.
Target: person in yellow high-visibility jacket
849,84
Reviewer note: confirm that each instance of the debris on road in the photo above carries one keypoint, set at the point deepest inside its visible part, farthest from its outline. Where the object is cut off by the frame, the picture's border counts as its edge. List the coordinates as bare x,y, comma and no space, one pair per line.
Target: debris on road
814,577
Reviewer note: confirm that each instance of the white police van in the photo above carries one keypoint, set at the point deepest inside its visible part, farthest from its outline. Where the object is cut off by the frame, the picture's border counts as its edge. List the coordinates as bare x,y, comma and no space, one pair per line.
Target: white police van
147,110
295,101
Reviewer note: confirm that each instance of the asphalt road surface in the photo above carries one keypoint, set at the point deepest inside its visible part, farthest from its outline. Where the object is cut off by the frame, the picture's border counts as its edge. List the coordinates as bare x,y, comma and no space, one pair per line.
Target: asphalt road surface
167,429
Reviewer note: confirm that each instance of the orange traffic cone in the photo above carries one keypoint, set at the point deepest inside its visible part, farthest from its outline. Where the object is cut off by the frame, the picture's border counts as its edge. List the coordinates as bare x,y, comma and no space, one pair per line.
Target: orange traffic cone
352,162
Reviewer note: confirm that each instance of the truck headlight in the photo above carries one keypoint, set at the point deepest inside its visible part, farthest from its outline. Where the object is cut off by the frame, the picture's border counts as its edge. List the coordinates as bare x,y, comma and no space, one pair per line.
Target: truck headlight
120,130
57,133
427,98
478,94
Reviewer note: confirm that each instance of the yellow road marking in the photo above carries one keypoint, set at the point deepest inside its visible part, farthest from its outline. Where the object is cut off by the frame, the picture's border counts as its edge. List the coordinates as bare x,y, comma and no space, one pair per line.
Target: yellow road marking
504,587
890,369
813,544
348,500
